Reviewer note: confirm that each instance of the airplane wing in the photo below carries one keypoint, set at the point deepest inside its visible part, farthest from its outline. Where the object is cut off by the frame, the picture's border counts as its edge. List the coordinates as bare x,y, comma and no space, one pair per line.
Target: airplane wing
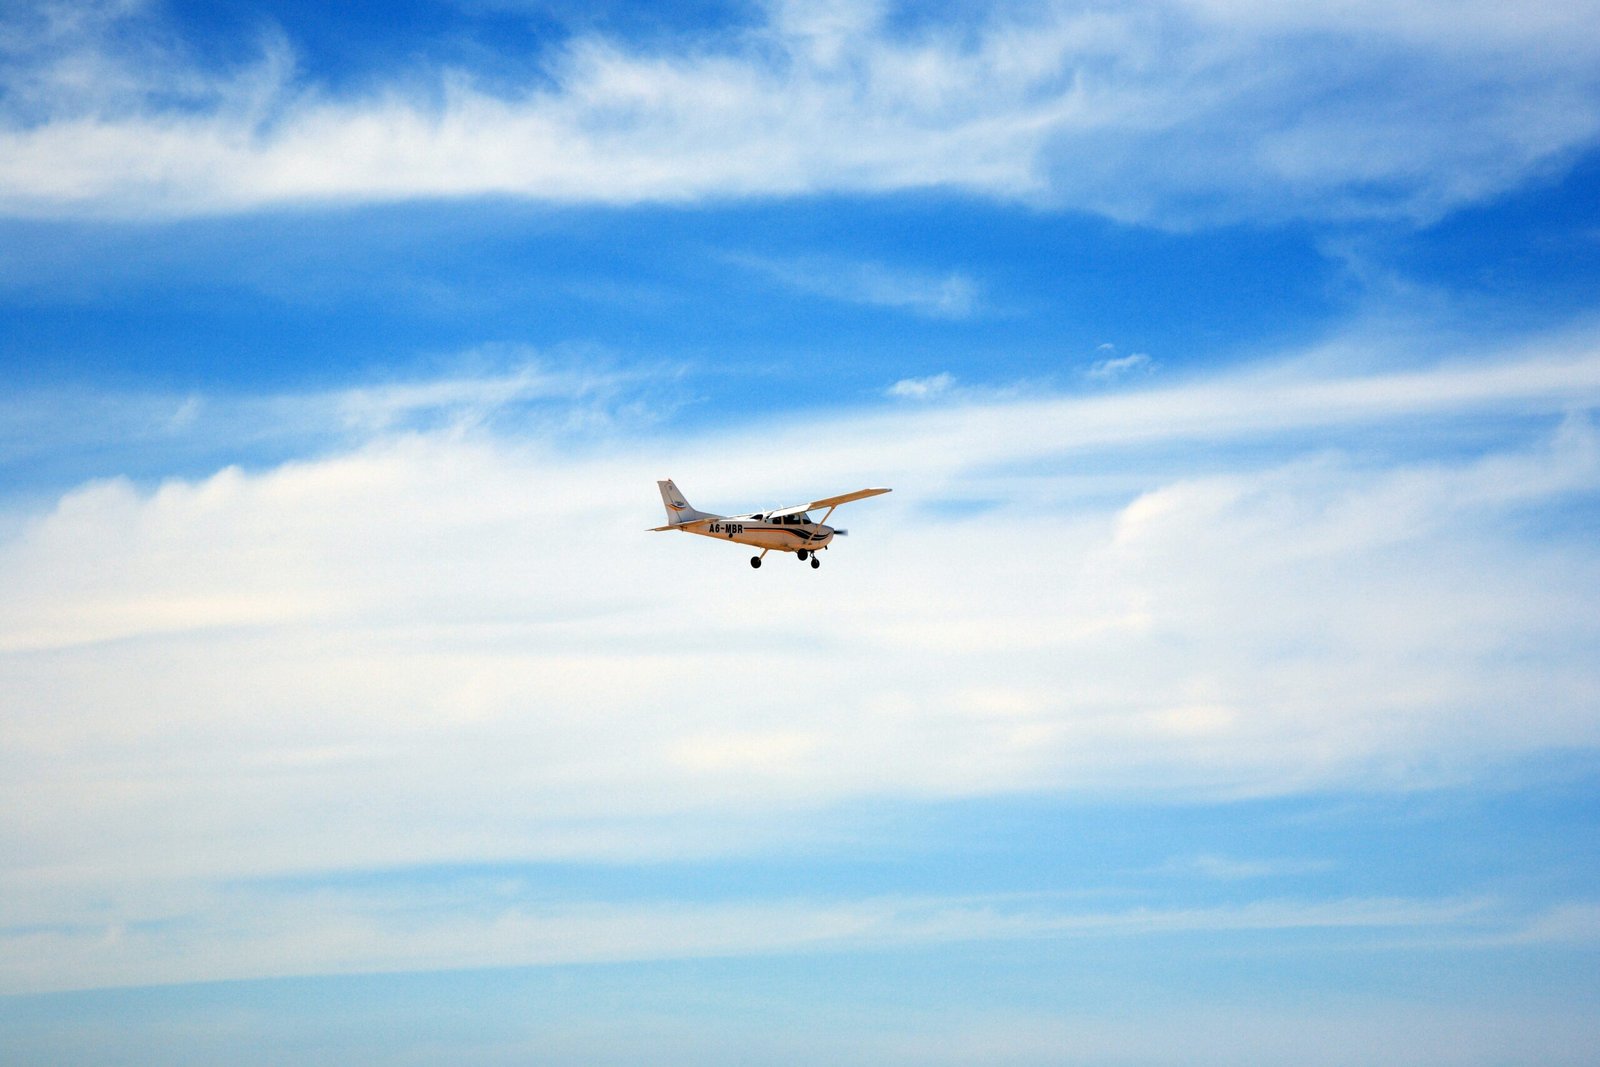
829,502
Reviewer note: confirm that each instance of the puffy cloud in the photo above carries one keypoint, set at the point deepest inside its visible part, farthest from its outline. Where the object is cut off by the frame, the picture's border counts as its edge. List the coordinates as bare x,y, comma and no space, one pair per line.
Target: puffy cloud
395,615
459,645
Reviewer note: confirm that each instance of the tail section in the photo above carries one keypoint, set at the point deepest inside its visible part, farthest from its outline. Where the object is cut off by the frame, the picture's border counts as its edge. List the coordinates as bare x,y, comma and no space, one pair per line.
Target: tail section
678,509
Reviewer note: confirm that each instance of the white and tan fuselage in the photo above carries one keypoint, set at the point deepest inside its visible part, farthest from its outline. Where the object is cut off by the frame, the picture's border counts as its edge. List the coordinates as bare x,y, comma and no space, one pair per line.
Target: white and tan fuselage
779,536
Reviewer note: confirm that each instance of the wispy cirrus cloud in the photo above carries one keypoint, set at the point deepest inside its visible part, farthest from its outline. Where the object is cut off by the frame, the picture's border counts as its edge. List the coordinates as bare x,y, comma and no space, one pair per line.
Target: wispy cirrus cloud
1145,111
258,930
493,384
1110,366
1225,868
951,295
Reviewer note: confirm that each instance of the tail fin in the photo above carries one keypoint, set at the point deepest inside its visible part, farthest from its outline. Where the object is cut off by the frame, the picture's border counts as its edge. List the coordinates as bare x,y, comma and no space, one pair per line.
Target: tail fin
678,509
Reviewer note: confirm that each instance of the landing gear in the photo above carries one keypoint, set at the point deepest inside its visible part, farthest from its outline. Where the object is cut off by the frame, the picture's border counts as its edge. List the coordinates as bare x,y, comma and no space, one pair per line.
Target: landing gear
803,553
755,561
815,563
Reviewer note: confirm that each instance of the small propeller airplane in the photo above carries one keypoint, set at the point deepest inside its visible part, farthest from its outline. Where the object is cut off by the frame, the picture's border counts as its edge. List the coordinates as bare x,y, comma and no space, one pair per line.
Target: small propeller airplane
788,529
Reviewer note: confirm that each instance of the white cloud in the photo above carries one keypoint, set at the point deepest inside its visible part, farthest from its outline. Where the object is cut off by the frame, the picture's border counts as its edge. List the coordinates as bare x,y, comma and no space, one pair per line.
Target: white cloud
450,645
256,931
922,388
1149,111
1224,868
1114,367
493,385
938,296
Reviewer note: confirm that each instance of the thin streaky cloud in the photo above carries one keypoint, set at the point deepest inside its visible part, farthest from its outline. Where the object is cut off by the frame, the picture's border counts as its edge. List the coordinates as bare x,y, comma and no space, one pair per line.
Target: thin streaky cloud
952,295
210,934
1229,869
1250,404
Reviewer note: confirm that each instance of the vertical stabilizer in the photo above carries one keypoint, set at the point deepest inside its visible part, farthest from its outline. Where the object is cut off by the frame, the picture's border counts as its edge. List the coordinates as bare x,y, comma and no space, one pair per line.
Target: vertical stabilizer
678,509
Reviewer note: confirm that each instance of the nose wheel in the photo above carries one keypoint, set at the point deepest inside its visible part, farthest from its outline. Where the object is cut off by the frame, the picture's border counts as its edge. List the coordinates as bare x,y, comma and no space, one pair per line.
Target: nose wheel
815,563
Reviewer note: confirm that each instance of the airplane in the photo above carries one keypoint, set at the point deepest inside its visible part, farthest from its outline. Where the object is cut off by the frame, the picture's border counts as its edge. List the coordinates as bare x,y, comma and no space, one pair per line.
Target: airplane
788,529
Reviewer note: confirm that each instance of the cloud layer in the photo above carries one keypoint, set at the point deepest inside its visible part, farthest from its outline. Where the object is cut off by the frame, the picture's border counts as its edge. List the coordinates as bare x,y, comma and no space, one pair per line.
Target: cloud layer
1165,112
457,645
380,621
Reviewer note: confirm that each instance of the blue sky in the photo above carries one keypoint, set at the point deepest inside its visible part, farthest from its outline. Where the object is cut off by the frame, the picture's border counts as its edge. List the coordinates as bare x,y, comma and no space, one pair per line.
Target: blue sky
1218,684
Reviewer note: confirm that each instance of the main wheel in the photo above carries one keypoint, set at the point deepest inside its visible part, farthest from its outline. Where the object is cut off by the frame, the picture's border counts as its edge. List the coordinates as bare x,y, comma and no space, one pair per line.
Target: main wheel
755,561
815,563
803,553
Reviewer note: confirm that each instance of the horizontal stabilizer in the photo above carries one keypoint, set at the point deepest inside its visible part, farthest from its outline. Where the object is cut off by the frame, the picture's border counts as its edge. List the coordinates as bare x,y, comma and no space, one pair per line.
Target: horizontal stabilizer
691,524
